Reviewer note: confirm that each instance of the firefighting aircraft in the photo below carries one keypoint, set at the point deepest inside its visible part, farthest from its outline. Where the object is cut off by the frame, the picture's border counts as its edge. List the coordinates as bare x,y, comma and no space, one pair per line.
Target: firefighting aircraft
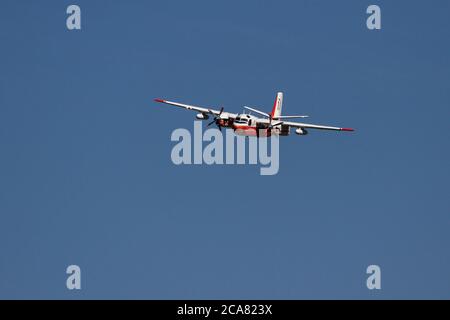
247,124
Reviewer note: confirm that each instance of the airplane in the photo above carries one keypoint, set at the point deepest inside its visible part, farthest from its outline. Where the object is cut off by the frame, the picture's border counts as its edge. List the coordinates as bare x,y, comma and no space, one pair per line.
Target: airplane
247,124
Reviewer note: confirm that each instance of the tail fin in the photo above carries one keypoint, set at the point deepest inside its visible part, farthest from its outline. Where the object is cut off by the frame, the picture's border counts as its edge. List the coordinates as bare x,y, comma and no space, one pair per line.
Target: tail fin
278,104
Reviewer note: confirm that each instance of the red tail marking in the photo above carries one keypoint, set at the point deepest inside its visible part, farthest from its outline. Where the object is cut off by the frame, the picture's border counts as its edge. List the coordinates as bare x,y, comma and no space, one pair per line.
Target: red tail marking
274,106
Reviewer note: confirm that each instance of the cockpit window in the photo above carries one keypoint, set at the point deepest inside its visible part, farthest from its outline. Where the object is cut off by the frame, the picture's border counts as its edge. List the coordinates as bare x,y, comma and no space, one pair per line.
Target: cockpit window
241,120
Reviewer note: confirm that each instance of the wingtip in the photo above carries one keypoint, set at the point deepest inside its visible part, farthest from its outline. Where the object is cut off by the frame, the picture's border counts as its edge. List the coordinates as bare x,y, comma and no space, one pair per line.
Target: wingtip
347,129
159,100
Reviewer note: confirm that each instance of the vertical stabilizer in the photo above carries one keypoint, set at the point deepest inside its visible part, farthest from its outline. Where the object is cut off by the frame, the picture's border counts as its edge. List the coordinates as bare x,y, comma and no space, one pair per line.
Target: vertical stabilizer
278,104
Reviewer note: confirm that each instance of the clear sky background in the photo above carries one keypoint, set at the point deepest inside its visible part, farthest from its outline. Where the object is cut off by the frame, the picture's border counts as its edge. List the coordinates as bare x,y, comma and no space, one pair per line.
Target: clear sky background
86,176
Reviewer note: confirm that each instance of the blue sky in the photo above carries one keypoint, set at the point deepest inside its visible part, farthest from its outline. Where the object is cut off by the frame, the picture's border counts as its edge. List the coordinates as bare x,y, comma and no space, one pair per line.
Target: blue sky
86,176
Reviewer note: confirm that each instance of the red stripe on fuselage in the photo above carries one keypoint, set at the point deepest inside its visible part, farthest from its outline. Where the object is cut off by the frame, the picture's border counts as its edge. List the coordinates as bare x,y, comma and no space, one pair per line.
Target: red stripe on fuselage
251,131
244,127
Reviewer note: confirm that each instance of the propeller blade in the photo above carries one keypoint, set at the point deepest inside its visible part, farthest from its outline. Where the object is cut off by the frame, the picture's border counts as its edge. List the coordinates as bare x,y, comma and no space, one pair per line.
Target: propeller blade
211,123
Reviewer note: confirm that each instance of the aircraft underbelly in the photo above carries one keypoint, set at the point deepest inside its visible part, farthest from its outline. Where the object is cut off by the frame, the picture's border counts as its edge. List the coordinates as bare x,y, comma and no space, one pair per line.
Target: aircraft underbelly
251,132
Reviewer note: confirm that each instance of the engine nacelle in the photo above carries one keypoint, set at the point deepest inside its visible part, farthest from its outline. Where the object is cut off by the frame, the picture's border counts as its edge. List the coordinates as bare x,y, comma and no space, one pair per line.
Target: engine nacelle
202,116
301,132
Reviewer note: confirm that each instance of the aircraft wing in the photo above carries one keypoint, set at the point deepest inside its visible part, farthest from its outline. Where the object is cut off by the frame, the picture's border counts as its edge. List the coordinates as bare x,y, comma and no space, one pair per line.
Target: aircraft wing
223,115
314,126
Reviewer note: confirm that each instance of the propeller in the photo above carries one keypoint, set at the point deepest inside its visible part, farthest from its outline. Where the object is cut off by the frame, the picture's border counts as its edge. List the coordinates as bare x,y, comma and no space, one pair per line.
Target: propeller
215,119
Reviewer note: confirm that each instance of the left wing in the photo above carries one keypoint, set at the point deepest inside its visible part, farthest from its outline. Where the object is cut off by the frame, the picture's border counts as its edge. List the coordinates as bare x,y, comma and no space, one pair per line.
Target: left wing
223,115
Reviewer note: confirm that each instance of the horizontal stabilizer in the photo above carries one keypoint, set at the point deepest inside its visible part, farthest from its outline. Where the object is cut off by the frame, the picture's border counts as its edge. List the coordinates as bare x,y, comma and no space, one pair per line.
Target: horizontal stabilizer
257,111
291,117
